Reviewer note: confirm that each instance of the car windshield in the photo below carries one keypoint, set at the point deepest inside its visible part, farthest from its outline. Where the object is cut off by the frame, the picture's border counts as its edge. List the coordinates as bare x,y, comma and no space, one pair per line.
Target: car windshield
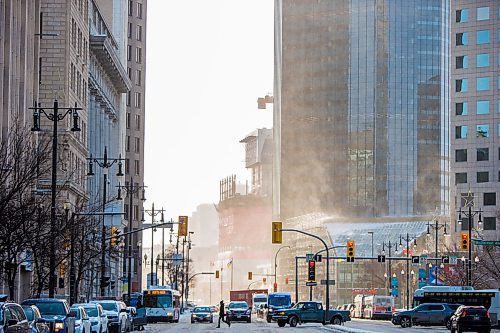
201,309
238,305
109,306
91,311
260,300
279,301
29,313
51,308
475,311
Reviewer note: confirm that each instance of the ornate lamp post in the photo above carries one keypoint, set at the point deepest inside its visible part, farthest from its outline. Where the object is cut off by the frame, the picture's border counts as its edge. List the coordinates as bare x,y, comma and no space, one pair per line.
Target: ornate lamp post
407,239
55,117
436,227
153,213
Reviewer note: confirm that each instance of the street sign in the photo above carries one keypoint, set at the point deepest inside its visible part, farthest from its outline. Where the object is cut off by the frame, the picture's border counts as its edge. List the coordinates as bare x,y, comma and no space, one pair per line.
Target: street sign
309,256
487,243
318,257
330,282
453,260
177,259
123,279
311,283
445,259
381,258
415,259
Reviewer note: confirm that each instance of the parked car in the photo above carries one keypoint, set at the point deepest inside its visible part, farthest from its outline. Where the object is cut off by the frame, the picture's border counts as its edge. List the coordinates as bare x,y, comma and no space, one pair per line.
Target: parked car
13,319
55,312
201,314
116,312
239,311
470,319
98,320
309,312
425,314
138,317
82,320
37,323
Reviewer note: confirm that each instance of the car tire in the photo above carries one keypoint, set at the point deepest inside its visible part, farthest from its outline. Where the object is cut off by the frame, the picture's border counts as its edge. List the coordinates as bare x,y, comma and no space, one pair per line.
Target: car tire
459,330
336,321
281,323
447,323
452,330
268,319
293,321
405,322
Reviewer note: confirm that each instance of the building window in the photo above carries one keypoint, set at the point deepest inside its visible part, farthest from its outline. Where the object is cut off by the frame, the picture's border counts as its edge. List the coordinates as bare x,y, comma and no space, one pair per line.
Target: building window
129,30
138,122
461,155
137,146
461,109
125,208
482,37
482,177
462,16
462,38
138,77
138,33
127,166
138,55
482,107
127,121
489,223
136,167
127,143
462,62
129,52
461,178
139,10
137,99
129,73
73,32
130,8
483,154
128,98
73,77
483,13
490,199
461,132
482,83
461,85
136,212
482,60
482,131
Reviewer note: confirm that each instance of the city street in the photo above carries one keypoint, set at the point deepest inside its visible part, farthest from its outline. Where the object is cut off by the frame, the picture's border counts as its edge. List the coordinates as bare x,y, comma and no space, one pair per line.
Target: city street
258,325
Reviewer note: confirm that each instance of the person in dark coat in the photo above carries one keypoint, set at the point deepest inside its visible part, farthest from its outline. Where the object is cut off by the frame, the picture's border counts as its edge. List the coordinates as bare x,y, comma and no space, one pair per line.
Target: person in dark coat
222,315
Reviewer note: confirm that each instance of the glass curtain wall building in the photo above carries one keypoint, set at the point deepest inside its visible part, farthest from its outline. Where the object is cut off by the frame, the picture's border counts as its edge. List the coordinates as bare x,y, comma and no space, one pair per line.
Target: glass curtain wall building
361,108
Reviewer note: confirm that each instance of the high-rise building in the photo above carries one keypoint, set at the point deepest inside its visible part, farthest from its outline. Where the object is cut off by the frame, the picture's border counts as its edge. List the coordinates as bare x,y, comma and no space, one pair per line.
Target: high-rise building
361,107
134,136
475,104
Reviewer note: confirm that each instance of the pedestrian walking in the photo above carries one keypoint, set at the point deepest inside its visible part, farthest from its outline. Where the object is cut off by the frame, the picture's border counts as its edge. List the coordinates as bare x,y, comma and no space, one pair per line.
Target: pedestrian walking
222,315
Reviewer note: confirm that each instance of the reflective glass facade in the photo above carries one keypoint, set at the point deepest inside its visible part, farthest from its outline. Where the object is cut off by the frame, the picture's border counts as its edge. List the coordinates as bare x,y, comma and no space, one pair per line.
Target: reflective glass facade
363,104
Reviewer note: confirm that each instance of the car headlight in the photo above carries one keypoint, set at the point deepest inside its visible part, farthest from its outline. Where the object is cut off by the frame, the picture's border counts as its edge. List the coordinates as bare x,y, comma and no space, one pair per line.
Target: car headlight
170,314
249,311
271,310
59,326
193,315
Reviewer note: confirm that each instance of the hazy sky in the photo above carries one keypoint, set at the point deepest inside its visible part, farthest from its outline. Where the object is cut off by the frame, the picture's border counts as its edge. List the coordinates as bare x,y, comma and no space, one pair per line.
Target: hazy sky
207,63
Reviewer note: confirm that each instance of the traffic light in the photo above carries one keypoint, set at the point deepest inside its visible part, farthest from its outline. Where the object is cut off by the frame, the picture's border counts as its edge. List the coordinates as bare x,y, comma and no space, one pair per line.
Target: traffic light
464,241
183,226
277,237
286,280
264,280
113,283
216,274
249,275
275,287
62,269
114,235
311,272
351,250
60,283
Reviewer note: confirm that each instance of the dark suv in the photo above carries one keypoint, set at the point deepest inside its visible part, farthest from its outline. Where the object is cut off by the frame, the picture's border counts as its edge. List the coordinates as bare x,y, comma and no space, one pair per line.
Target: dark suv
425,314
55,312
13,319
470,318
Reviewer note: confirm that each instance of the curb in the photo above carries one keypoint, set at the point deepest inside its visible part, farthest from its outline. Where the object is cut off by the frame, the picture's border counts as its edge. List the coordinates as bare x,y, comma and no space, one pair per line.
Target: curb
344,329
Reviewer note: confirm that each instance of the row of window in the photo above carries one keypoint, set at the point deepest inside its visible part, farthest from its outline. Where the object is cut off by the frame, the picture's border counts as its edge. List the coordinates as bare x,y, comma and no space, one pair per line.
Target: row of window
137,167
137,144
482,131
482,107
482,84
482,37
489,223
138,54
481,177
137,121
78,84
482,14
138,31
137,99
482,154
482,61
137,77
78,41
138,9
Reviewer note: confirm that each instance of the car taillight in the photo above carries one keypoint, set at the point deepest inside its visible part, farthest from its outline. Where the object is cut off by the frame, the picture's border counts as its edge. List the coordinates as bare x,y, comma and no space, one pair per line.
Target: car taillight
488,314
464,313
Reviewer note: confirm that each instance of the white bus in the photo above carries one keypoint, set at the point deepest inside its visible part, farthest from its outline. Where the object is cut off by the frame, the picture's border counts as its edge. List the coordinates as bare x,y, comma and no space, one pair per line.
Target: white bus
378,307
161,305
464,295
359,306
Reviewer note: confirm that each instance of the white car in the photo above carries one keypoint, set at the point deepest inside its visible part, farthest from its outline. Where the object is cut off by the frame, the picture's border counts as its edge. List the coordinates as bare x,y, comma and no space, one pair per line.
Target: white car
98,319
117,315
82,320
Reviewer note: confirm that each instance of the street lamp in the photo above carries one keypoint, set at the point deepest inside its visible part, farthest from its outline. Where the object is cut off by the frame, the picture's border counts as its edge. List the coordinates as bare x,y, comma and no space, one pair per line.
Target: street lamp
105,163
55,117
407,239
153,213
436,227
130,189
275,286
389,246
469,202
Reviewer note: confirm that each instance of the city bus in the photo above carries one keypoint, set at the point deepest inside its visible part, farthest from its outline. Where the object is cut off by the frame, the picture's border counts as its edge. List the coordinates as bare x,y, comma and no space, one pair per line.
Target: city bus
464,295
359,306
378,307
161,305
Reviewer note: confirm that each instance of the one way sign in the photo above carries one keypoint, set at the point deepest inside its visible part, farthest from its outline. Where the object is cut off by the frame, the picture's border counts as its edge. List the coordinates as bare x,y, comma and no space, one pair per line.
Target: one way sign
415,259
381,258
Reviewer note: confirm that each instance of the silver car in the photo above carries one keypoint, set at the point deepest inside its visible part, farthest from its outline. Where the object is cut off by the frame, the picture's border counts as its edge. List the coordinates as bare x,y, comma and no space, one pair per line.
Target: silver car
98,320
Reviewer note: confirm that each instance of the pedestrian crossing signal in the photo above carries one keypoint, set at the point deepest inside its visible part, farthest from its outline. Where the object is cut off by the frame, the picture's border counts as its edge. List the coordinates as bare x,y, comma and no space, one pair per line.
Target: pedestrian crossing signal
217,274
351,250
249,275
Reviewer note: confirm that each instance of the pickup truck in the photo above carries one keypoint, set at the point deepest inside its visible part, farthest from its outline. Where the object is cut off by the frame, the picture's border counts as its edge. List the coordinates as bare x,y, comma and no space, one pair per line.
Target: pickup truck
309,312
